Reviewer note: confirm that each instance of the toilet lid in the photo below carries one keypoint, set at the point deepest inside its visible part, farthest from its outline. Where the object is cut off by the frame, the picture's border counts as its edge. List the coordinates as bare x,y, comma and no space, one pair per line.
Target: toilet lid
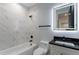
40,51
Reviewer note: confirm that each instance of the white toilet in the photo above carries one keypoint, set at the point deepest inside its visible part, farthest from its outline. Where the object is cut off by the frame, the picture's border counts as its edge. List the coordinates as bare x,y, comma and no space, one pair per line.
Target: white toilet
42,49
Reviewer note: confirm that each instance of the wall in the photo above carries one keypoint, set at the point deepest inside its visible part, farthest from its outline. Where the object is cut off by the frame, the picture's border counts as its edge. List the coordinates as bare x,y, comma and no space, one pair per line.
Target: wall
42,14
14,25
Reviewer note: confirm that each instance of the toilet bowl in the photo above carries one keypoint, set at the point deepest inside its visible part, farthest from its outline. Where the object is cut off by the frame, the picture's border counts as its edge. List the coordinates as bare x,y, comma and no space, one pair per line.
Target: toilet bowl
42,49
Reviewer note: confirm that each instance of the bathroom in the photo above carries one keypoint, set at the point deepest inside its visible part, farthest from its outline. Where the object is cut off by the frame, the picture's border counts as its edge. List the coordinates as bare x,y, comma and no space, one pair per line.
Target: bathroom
30,29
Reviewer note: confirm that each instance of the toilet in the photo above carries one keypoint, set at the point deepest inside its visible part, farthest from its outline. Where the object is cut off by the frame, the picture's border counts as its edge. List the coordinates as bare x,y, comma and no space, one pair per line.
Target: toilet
42,49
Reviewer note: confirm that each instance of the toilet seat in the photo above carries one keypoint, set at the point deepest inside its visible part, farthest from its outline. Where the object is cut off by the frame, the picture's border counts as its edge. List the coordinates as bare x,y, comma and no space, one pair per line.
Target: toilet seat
42,48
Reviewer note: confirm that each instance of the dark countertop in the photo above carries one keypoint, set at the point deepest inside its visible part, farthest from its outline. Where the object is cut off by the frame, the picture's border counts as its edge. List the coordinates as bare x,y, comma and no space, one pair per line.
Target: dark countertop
76,47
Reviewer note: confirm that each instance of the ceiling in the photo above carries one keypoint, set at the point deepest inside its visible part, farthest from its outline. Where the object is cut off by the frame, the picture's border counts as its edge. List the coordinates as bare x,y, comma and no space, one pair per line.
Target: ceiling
28,4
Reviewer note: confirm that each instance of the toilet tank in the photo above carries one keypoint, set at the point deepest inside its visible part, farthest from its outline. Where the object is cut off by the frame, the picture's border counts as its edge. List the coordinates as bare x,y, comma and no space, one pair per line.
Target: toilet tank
44,44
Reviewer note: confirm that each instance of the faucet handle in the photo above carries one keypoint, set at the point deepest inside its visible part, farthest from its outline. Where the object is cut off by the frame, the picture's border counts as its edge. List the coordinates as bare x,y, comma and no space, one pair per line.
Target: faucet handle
30,40
63,37
31,36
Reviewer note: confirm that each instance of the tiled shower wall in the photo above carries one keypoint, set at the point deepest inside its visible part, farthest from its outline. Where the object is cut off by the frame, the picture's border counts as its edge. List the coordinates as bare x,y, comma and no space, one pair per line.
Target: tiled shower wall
15,25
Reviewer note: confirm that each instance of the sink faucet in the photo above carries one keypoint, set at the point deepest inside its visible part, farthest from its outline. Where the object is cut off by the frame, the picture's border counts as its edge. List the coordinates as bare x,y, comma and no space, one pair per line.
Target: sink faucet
63,37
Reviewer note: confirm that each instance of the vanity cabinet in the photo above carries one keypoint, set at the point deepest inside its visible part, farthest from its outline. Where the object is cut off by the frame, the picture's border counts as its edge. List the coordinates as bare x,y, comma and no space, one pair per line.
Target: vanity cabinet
59,50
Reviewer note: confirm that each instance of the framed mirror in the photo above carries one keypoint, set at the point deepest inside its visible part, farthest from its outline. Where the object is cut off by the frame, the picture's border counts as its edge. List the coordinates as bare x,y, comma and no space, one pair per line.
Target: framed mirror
65,17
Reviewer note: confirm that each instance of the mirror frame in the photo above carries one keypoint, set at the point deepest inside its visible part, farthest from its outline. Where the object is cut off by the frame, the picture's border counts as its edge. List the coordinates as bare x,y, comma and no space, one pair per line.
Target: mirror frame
54,17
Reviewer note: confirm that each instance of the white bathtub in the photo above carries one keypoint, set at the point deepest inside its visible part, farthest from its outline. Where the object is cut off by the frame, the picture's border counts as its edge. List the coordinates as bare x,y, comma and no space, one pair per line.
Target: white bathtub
23,49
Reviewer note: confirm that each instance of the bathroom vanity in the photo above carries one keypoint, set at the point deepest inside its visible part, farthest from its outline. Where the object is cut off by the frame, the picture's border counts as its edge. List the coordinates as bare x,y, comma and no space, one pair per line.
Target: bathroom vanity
64,46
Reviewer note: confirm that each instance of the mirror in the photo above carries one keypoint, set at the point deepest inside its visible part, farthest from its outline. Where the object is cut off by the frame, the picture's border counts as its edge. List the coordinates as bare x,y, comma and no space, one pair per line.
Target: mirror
65,17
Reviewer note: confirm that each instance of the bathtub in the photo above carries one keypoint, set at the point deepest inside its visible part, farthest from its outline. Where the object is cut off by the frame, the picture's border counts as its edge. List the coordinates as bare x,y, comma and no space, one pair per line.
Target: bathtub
23,49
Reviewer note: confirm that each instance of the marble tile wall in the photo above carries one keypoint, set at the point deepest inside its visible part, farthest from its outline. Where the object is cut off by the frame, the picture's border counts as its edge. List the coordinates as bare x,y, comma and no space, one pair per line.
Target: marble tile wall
14,25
